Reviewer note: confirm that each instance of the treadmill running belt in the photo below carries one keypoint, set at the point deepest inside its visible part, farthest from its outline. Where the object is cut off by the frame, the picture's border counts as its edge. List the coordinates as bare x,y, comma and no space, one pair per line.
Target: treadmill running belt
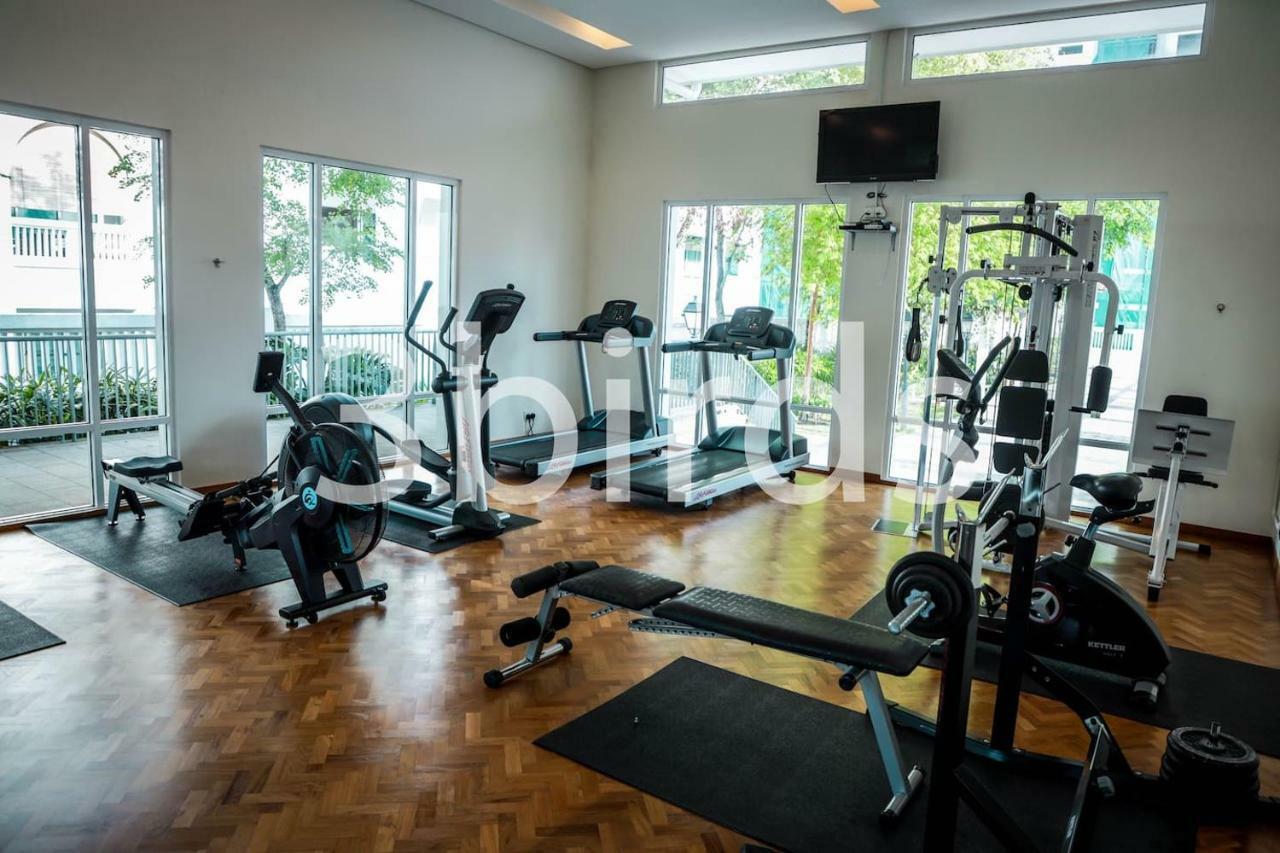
702,465
538,449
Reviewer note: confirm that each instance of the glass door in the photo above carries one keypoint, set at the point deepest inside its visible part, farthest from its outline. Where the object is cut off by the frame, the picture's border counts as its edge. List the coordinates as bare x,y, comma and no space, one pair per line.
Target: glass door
81,262
787,256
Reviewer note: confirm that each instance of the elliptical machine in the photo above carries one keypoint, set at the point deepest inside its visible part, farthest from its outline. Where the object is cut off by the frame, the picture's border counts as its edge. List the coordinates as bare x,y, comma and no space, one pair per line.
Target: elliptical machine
1074,614
462,507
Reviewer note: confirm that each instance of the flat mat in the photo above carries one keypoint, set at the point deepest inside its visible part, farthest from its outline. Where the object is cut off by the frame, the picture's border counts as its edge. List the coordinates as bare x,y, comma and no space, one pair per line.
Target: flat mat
415,534
19,635
1201,688
801,774
149,554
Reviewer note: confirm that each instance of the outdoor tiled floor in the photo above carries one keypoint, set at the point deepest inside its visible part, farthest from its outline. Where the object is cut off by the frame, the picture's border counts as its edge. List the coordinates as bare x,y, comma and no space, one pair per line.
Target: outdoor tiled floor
54,475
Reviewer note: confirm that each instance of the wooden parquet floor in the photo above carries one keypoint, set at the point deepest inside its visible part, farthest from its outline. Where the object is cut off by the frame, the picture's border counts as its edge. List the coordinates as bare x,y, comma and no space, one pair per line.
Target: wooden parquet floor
213,727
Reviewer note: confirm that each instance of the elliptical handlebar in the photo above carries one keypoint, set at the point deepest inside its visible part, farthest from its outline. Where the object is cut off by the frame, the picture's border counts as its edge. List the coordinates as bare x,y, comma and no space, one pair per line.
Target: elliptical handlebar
445,328
413,321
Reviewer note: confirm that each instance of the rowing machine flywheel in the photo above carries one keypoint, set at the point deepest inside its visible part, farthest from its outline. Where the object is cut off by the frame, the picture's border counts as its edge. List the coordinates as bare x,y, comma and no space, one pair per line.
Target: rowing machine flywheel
316,464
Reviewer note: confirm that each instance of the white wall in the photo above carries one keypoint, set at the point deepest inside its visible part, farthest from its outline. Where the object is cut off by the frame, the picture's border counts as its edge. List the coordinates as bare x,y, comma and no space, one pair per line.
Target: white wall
386,82
1203,131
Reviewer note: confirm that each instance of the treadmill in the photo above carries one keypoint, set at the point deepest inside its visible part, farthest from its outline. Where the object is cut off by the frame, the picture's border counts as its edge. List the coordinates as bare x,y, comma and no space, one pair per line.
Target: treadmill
591,440
720,463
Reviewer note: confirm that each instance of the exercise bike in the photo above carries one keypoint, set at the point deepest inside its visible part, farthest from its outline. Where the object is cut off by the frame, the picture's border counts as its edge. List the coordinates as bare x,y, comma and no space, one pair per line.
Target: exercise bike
1076,614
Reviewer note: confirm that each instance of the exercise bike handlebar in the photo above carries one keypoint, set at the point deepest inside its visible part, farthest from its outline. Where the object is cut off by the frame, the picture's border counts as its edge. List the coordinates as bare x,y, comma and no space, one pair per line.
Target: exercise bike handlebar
1052,239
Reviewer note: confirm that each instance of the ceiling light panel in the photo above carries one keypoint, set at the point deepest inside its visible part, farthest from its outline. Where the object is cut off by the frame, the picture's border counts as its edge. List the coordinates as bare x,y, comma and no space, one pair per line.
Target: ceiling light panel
847,6
567,24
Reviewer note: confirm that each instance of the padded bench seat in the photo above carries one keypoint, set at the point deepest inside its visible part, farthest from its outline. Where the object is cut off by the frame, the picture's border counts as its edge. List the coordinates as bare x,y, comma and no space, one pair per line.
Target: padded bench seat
752,620
141,467
622,587
790,629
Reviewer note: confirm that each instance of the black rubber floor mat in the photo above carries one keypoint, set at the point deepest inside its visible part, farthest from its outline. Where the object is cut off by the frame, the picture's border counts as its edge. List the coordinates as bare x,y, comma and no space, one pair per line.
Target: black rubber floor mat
415,534
149,554
19,635
801,774
1201,688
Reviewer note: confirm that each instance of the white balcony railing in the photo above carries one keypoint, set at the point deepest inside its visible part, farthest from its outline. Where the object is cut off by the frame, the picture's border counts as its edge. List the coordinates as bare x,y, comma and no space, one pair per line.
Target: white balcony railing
42,364
40,242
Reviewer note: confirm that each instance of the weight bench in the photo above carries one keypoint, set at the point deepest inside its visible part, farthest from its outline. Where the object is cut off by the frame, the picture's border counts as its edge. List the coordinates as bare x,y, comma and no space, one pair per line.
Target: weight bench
666,607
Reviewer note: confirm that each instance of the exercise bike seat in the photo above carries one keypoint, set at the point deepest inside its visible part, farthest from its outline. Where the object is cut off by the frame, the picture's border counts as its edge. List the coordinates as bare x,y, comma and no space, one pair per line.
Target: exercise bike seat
143,467
1113,491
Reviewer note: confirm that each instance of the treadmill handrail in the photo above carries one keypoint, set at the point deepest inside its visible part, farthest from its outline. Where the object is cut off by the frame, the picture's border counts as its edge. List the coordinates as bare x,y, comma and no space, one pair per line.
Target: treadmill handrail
754,353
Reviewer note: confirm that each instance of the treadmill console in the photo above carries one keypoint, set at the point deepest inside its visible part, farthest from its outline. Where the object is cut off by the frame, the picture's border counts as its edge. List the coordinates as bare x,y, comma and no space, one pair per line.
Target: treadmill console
615,313
749,324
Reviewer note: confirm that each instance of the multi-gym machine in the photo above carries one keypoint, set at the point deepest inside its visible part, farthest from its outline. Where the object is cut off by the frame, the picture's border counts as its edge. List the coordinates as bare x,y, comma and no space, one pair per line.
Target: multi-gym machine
1056,276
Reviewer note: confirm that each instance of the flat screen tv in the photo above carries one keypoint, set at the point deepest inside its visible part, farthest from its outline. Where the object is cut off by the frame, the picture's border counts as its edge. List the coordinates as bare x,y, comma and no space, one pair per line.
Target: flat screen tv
897,142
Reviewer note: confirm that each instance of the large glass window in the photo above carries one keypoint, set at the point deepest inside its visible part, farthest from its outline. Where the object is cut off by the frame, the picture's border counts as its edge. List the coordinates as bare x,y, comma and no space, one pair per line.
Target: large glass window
82,345
772,72
787,257
1128,256
1157,33
345,250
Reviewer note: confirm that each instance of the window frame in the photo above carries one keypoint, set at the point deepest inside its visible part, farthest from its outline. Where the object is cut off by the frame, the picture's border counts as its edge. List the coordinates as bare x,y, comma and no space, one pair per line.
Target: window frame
94,427
966,199
797,252
446,293
908,55
867,40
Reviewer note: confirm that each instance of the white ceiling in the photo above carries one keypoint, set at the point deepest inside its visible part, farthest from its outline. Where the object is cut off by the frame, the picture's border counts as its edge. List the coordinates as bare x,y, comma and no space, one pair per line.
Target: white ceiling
668,29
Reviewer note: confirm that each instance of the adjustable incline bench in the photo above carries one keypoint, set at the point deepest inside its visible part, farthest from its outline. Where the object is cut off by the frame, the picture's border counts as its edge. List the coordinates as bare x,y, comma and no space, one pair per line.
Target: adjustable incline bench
666,607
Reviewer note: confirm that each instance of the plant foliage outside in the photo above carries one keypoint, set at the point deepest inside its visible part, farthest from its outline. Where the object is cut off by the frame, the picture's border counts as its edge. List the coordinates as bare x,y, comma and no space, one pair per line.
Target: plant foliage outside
57,396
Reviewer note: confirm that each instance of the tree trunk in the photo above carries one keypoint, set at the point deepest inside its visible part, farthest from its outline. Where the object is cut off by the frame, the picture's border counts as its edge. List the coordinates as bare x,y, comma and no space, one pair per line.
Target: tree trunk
721,274
722,264
810,324
279,322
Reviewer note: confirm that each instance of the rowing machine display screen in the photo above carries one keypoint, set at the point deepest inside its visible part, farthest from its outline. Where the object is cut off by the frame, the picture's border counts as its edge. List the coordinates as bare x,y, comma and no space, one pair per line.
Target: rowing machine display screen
270,368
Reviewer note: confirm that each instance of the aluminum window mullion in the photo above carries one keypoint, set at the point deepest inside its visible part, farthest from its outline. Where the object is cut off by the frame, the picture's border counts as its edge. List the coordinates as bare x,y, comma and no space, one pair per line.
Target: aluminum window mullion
88,304
410,276
709,212
797,239
159,186
315,363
